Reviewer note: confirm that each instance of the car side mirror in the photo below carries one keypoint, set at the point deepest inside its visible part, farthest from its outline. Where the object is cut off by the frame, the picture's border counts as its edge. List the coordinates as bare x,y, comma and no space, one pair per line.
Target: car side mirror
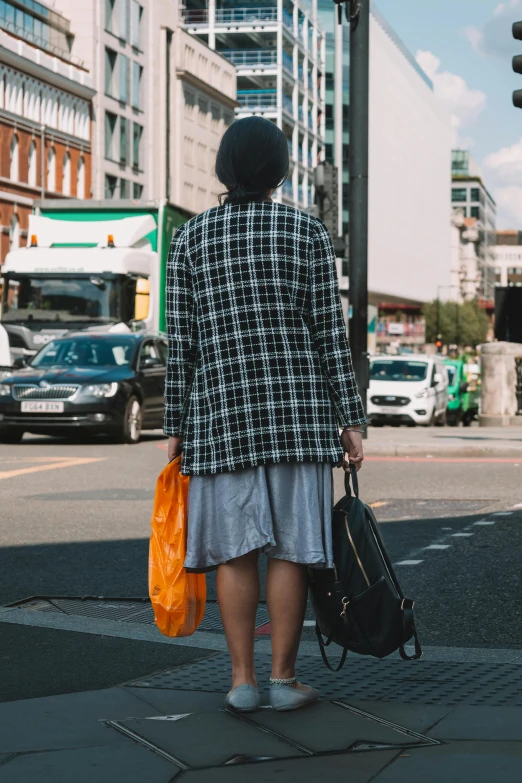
463,387
19,363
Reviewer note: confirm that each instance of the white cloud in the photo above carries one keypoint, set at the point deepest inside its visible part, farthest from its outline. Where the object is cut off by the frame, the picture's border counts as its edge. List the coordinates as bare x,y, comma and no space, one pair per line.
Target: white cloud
505,175
495,37
464,103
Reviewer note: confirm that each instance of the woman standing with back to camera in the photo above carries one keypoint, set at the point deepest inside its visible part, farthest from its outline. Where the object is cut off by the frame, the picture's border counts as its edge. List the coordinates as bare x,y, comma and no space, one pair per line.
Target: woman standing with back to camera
259,381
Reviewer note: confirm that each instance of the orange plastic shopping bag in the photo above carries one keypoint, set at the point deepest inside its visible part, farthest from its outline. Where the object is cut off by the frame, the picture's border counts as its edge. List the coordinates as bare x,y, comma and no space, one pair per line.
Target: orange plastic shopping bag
178,598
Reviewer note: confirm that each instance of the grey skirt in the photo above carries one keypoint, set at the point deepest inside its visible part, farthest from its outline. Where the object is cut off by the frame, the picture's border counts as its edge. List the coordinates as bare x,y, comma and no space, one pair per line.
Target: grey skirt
283,509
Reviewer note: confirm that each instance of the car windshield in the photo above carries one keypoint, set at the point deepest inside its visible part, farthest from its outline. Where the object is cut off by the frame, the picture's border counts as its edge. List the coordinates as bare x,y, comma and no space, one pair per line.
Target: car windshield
451,373
60,300
85,352
398,370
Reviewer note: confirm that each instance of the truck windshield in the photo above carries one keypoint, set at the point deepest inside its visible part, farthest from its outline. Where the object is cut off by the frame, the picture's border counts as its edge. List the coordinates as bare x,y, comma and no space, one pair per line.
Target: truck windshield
398,370
63,300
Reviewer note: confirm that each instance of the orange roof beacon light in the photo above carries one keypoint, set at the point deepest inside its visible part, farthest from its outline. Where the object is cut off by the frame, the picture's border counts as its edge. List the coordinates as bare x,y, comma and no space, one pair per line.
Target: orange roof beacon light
110,240
34,240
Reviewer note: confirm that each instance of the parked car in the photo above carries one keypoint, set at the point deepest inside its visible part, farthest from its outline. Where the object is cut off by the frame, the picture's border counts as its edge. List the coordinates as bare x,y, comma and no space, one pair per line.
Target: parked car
410,390
101,383
463,395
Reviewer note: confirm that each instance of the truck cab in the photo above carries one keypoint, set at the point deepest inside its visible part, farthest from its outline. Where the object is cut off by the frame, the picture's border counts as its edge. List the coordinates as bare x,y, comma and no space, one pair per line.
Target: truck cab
463,393
86,266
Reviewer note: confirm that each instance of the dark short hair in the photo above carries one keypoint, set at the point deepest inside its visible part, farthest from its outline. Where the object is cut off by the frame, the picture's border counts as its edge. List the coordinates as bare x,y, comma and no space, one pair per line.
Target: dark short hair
252,159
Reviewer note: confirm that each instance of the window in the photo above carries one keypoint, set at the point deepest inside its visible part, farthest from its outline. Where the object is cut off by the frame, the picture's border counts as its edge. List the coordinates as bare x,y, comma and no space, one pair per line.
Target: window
124,78
124,20
475,195
137,190
32,164
66,175
111,184
137,131
202,156
475,212
124,140
190,102
124,188
51,169
13,158
109,15
14,233
137,72
459,194
110,72
110,134
136,14
80,179
189,150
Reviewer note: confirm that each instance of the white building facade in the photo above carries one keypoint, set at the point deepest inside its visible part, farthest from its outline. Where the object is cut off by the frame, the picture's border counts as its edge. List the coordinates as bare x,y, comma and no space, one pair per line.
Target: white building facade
279,52
409,176
508,259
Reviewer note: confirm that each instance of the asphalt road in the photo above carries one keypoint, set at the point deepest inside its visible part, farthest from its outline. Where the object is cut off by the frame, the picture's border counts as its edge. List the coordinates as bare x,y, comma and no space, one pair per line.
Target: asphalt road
74,520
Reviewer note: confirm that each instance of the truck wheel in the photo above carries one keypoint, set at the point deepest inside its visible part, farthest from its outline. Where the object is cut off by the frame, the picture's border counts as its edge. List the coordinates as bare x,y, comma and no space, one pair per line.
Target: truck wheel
11,436
132,420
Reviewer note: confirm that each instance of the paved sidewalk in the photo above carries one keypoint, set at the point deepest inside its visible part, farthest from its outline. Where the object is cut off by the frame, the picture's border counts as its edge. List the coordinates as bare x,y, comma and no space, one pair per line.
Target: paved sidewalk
472,442
385,721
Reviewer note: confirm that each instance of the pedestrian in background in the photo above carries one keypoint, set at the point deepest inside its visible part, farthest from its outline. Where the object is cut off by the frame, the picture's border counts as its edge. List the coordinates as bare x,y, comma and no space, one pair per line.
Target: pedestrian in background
259,382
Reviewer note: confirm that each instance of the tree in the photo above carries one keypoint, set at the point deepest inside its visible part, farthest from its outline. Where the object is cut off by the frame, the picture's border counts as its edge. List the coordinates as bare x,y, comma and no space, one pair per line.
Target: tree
465,324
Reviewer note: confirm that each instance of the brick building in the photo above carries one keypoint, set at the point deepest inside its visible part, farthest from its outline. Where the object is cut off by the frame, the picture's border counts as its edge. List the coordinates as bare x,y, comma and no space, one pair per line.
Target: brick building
45,116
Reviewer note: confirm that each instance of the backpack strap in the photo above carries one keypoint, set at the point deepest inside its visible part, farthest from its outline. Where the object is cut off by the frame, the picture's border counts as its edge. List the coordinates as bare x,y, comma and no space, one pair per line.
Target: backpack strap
409,630
323,644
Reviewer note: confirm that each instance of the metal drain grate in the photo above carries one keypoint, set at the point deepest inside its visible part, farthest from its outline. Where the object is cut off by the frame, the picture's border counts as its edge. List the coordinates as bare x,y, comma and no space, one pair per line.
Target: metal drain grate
419,682
123,611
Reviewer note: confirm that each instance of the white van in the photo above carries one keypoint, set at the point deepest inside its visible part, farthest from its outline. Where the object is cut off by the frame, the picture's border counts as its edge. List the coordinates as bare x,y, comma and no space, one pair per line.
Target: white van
408,390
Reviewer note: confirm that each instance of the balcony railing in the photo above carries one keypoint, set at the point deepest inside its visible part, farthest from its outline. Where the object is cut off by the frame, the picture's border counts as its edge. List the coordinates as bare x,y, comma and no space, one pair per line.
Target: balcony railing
300,73
288,62
310,122
310,82
288,189
290,148
257,100
195,16
251,58
288,104
246,16
288,20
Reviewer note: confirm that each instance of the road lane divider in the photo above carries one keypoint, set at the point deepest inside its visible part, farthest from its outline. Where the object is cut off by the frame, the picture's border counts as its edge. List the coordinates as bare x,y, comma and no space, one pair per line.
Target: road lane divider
64,462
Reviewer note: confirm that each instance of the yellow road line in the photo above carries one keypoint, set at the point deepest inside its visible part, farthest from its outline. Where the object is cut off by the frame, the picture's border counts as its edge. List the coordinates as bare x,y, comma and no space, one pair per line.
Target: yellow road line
378,504
66,463
35,459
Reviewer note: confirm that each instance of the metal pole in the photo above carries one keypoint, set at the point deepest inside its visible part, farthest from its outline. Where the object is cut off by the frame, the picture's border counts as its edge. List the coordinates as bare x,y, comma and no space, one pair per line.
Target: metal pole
358,204
42,161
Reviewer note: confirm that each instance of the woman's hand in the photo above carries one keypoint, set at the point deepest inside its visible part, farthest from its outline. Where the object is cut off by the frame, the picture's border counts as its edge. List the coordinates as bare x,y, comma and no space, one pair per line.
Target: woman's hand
174,447
352,445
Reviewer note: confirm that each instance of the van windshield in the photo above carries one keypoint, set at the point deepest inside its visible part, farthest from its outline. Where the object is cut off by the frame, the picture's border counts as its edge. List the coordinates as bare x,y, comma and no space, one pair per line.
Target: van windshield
398,370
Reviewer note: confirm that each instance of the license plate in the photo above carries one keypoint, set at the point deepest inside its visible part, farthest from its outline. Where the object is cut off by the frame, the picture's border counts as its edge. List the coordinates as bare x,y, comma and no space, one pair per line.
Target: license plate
388,410
31,406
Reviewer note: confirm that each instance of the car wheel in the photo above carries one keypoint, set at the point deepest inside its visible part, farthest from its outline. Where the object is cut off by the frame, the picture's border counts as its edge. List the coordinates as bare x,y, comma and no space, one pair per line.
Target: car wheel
132,420
11,436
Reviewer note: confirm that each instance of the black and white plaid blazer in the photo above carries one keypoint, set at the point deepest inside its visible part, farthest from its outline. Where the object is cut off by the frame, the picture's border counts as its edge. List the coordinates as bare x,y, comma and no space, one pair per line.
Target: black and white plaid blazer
259,366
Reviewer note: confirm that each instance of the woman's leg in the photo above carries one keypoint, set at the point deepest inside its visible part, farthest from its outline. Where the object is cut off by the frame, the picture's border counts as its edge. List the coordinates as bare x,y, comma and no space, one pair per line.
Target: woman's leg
238,596
286,593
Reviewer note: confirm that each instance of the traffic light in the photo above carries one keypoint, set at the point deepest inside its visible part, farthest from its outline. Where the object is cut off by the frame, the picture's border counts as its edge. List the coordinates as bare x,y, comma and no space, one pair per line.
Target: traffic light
517,64
439,344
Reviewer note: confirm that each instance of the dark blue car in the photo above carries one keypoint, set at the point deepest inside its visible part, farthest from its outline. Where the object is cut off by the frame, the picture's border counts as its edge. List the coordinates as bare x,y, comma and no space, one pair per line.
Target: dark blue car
100,383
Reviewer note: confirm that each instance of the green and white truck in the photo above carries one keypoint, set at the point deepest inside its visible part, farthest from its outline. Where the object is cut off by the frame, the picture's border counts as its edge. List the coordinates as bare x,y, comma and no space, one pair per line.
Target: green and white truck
87,264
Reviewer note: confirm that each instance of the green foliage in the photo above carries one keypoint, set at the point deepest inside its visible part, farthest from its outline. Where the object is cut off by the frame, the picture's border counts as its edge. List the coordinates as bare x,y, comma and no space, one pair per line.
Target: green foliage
465,324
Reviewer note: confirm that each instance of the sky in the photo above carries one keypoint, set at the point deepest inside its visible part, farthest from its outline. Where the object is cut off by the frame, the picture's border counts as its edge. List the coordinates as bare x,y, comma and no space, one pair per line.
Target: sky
465,47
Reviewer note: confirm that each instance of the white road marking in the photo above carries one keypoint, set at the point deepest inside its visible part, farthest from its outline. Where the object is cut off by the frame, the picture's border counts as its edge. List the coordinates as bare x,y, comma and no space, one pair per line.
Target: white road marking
461,535
409,562
518,505
309,624
502,514
446,528
485,522
438,546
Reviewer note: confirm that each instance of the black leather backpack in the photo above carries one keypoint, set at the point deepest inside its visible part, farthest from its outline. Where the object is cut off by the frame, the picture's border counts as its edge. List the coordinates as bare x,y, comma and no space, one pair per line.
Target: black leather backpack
360,605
